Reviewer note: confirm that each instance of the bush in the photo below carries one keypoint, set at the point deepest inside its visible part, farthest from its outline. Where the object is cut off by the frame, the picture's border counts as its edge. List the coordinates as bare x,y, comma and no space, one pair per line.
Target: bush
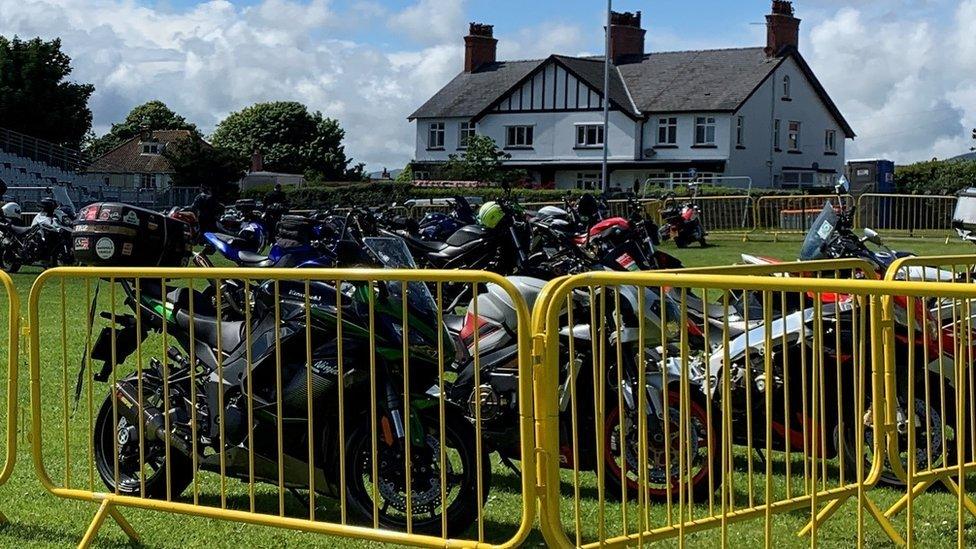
375,194
935,177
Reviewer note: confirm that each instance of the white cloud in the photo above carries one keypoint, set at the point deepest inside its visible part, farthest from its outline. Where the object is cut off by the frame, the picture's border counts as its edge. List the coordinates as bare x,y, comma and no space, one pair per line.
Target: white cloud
904,83
430,21
216,58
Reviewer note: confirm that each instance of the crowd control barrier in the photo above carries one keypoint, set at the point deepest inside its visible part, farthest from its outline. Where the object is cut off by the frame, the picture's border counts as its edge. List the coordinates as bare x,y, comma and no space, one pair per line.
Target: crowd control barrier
702,407
744,379
11,361
252,395
907,215
778,215
730,215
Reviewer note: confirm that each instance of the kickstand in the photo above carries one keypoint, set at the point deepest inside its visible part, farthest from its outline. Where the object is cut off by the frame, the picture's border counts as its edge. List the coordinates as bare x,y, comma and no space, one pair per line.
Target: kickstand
762,457
511,465
299,496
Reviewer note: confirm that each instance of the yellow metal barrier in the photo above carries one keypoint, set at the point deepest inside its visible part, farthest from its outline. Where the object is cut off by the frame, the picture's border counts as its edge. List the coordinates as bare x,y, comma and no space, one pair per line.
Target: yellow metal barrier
759,402
248,395
936,335
11,396
907,215
792,214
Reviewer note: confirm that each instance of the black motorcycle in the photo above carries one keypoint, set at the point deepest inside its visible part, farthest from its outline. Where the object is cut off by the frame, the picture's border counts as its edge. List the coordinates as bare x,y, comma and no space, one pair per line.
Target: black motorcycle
241,404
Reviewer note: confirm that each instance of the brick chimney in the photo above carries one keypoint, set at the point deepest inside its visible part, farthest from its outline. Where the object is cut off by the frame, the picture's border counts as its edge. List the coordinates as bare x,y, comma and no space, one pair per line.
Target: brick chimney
782,28
257,161
626,36
480,46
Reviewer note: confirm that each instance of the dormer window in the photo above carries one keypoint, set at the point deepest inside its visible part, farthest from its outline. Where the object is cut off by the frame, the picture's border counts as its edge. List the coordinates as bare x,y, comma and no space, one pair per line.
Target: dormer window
150,147
787,89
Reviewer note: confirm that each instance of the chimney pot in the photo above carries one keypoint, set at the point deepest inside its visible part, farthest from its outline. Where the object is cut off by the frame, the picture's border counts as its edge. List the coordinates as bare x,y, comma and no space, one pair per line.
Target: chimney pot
782,28
626,36
480,46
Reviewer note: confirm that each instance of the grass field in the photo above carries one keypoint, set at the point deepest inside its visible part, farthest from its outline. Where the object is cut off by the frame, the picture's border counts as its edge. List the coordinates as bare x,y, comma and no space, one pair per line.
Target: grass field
37,519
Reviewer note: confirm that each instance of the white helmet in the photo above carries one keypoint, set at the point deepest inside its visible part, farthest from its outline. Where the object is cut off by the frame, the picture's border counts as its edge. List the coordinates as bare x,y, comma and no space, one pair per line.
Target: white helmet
11,210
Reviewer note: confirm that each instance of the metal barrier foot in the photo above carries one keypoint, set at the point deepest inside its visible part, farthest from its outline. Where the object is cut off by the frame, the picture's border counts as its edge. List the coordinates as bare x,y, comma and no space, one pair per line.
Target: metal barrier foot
902,502
107,509
875,511
966,501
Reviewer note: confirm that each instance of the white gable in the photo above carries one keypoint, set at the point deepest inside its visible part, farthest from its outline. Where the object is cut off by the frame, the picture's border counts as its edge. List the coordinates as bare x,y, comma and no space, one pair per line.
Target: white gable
551,89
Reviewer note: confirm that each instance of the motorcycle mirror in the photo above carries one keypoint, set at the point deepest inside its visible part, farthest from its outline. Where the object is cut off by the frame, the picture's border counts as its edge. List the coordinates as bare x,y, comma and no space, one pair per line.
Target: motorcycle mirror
870,235
843,185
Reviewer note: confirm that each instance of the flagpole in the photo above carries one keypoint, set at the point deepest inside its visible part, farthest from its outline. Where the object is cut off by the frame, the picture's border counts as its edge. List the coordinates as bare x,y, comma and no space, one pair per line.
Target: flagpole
606,102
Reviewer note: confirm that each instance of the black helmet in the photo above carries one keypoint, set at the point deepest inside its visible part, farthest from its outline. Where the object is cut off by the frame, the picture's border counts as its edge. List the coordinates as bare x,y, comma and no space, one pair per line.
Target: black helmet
48,205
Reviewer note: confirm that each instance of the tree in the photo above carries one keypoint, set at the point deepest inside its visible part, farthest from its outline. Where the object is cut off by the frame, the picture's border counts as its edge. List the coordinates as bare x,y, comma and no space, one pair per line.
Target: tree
482,161
35,97
974,139
196,163
291,139
153,115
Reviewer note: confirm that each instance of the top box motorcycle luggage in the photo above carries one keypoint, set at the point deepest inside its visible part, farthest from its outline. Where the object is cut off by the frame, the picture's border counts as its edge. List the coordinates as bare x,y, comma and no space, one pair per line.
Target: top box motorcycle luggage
110,234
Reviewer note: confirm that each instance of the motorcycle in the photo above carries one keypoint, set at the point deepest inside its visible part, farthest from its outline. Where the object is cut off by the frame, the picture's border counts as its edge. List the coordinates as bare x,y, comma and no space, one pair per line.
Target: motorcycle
682,223
228,406
46,242
255,230
599,382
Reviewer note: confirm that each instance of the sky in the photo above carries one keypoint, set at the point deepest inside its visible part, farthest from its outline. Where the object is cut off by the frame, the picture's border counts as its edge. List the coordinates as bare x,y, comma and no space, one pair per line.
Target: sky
902,71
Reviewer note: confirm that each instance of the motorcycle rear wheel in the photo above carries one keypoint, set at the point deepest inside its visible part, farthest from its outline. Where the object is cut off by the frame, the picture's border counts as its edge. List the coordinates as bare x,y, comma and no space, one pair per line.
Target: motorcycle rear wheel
151,469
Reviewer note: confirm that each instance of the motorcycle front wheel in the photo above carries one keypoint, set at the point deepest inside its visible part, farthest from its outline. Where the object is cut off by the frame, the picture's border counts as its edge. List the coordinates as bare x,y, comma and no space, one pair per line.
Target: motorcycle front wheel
702,472
427,503
8,263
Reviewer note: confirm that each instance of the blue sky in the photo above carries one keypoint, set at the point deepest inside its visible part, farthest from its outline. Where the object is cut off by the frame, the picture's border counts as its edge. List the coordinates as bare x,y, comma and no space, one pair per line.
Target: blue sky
900,70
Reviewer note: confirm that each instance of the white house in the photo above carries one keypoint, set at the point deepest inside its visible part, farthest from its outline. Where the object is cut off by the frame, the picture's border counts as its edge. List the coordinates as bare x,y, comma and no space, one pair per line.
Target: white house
758,112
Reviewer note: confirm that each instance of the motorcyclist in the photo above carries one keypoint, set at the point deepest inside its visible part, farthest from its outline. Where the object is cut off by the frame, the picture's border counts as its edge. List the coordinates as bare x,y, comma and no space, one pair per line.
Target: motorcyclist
275,197
207,209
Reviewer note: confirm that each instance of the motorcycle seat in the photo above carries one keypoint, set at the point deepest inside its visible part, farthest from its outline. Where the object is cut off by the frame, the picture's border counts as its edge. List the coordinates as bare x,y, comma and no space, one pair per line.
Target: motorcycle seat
250,259
425,246
205,326
18,230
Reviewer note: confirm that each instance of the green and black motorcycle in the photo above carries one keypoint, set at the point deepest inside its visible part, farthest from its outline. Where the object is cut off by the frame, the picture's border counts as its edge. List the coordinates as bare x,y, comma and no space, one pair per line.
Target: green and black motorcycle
233,400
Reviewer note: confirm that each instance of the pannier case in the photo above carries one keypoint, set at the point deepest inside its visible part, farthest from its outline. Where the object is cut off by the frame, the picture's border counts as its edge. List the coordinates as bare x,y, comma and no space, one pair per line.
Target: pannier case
111,234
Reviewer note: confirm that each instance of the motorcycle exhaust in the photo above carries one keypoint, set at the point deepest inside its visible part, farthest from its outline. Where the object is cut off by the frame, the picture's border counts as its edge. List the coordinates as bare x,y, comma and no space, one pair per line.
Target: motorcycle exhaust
153,420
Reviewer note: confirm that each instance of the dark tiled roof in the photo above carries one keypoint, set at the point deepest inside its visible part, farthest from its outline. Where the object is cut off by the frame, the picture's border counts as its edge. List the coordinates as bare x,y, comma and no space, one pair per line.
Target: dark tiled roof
713,80
708,80
470,93
128,157
590,70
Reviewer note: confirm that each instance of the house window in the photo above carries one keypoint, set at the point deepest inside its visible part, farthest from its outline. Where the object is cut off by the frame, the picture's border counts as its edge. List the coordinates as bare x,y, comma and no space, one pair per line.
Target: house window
589,181
777,124
798,179
705,130
435,136
667,131
793,136
740,132
465,134
787,88
150,148
830,141
147,181
589,135
519,137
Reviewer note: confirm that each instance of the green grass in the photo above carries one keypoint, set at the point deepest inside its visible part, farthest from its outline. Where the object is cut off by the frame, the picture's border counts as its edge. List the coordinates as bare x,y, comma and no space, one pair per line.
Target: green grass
38,519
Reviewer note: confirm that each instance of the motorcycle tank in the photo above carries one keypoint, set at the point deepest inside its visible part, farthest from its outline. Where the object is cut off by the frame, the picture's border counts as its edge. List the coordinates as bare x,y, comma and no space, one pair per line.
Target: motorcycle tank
466,235
553,212
497,306
821,232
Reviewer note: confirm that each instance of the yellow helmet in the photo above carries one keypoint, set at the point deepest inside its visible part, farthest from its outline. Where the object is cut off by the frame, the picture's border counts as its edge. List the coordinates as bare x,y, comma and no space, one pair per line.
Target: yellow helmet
490,215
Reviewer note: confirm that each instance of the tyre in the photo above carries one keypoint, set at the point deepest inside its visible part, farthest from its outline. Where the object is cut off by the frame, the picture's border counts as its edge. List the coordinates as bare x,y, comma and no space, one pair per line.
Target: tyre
934,438
426,502
8,263
705,464
124,437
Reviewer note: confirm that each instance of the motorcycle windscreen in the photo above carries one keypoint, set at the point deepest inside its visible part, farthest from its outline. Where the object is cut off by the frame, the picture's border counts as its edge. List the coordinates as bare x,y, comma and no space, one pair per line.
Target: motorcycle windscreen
394,254
821,232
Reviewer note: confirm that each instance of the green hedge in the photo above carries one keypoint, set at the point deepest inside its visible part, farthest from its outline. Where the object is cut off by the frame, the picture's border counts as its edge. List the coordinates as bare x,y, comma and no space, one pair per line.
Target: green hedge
374,194
936,177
